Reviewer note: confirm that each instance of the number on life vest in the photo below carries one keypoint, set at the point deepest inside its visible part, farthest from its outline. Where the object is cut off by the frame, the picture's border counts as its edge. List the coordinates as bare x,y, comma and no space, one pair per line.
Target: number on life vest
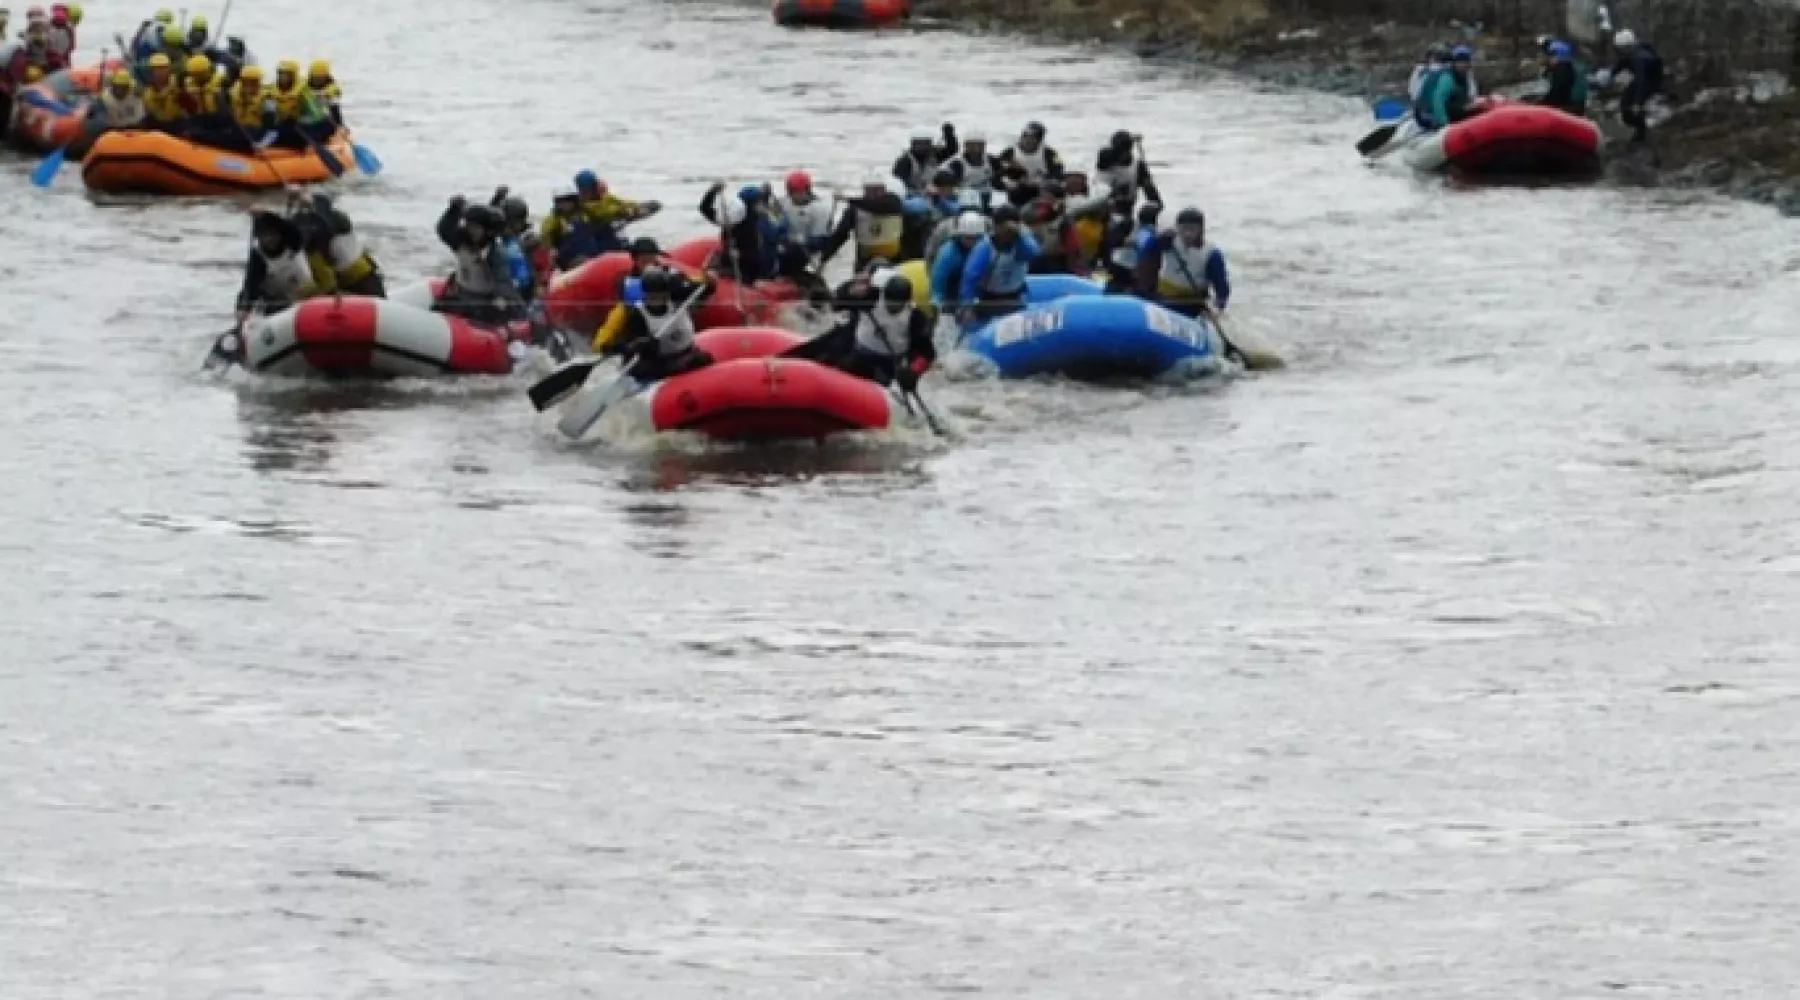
1026,325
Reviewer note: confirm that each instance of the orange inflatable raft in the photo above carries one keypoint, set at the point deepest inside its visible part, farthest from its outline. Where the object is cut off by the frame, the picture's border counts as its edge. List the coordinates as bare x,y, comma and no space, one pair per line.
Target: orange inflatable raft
840,13
746,394
577,301
149,162
56,113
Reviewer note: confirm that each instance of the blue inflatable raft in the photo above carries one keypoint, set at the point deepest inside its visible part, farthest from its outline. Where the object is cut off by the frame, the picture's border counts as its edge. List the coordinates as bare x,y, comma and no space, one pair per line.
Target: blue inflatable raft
1099,337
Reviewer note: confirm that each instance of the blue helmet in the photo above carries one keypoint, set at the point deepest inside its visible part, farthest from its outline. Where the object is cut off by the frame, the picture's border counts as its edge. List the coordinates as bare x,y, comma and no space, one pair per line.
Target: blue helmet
750,193
1560,50
587,180
1462,53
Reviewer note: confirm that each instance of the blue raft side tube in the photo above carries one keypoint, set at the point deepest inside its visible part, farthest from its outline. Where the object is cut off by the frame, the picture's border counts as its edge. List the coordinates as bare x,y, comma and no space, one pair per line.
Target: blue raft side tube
1117,336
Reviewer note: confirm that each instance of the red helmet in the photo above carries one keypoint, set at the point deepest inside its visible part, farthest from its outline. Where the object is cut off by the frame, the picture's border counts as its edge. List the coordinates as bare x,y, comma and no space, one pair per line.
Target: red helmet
798,181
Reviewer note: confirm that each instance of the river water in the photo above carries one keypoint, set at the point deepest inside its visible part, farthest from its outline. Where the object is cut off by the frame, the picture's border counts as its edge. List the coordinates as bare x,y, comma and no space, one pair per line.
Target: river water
1455,661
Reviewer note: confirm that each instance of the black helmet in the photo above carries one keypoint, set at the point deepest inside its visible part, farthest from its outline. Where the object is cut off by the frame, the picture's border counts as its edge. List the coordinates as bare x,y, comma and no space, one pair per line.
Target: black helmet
657,280
1006,213
877,264
1035,129
483,216
1191,216
1148,213
515,210
898,290
1121,142
644,246
945,177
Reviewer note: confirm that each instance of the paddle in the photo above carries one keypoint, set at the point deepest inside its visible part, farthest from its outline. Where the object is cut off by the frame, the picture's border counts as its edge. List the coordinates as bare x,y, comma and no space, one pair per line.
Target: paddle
931,420
573,375
584,413
1389,108
45,173
1255,359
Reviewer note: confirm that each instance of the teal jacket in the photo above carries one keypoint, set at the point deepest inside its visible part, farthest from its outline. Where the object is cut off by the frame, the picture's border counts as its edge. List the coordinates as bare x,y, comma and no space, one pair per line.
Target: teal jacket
1446,99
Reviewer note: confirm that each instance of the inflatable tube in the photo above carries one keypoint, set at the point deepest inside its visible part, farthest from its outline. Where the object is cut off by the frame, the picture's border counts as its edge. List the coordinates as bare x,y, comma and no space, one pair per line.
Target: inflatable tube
1512,140
840,13
1097,337
150,162
746,394
1039,288
54,112
577,301
360,336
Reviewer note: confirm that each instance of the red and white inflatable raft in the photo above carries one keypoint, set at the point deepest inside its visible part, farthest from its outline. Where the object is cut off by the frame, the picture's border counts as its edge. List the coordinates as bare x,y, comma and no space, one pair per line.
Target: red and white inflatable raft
577,301
1510,139
355,335
746,394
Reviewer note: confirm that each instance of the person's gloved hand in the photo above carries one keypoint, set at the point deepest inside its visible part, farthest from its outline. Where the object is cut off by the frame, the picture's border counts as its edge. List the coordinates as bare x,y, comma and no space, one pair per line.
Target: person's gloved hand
908,379
459,203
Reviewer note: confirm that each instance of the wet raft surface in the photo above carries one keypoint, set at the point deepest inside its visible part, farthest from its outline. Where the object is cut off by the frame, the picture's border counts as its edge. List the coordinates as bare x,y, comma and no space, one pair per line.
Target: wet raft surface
1457,661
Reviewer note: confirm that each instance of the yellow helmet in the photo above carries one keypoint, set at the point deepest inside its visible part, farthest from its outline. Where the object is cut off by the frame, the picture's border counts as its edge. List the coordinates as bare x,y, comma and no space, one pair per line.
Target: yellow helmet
199,66
164,16
198,23
33,74
159,61
120,76
288,66
173,36
251,73
75,13
318,68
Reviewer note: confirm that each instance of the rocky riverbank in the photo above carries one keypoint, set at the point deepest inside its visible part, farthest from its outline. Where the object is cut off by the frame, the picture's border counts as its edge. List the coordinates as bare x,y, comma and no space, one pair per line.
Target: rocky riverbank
1742,138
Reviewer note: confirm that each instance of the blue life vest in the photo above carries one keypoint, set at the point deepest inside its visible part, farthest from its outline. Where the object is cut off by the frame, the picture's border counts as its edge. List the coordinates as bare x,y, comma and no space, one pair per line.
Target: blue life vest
581,243
1006,276
521,269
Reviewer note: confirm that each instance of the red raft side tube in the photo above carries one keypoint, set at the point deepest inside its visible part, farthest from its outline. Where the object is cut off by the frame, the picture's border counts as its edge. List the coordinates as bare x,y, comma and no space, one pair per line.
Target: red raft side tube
755,305
1523,140
747,394
577,301
840,13
360,336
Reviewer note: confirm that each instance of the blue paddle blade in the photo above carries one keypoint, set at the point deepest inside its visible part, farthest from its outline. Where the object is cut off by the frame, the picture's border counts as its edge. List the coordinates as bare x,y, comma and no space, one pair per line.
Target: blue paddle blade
46,171
1390,108
366,160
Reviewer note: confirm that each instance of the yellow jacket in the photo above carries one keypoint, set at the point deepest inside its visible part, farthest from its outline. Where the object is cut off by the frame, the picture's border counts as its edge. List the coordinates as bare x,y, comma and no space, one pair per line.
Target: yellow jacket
289,104
163,104
252,109
204,99
607,210
615,324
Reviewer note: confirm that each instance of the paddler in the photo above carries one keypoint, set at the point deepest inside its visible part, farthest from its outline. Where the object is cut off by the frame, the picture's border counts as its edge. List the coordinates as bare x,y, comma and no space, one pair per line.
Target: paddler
974,169
1445,95
1433,62
572,239
915,167
993,282
1126,243
1567,79
1119,167
1179,269
1027,164
482,287
330,234
162,95
805,216
120,102
967,232
147,40
1639,61
251,106
1089,215
59,39
294,108
203,102
889,342
280,272
325,91
607,211
655,335
877,220
747,253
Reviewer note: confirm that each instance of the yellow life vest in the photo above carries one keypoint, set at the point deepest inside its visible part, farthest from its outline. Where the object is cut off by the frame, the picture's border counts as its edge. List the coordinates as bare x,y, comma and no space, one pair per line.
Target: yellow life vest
327,95
289,104
1089,232
206,97
163,104
879,235
248,107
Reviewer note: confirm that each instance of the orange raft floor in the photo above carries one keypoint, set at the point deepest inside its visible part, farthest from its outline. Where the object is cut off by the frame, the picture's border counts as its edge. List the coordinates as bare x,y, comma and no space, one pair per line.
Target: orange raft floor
149,162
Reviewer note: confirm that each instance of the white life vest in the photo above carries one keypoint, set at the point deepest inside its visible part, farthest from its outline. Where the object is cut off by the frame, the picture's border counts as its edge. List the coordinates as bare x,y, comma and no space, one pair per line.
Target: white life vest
1184,267
808,222
59,41
920,173
1006,273
1036,165
673,336
1120,175
878,230
343,250
474,272
888,334
122,113
287,279
977,177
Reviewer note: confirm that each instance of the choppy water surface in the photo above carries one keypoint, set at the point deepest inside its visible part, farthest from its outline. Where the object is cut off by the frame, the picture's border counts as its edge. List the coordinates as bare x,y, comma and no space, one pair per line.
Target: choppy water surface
1456,661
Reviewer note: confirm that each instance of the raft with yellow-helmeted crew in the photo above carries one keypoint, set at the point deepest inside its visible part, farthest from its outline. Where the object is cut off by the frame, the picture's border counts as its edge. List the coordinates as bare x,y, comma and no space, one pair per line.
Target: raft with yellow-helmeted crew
186,116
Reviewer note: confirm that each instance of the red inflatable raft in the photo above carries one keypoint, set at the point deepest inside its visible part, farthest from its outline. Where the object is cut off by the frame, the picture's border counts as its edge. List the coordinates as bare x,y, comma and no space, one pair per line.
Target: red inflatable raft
1513,140
746,394
577,301
359,336
840,13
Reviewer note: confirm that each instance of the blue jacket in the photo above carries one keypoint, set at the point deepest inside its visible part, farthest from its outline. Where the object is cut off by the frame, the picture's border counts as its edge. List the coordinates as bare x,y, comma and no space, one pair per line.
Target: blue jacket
993,273
520,267
947,271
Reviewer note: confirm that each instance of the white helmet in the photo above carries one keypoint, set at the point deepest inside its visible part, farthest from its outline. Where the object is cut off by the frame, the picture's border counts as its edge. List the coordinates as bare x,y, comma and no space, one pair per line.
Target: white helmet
732,212
923,135
1624,39
875,179
880,278
975,135
970,224
563,194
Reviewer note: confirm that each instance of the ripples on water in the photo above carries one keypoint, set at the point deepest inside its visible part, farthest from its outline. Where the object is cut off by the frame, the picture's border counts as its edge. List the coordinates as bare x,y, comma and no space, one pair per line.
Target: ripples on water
1454,662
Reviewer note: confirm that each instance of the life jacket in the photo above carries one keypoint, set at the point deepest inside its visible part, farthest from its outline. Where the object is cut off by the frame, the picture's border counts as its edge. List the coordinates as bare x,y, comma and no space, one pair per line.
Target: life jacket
978,177
808,224
204,99
474,273
1006,271
1036,165
1183,271
290,104
679,335
521,268
918,172
573,239
348,260
1423,98
288,280
886,334
1415,84
879,235
163,104
1090,232
250,108
122,112
1119,175
329,94
1578,95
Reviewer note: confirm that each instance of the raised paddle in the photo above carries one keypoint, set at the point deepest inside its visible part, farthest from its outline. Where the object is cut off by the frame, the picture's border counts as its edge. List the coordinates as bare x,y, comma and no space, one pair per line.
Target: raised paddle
574,375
